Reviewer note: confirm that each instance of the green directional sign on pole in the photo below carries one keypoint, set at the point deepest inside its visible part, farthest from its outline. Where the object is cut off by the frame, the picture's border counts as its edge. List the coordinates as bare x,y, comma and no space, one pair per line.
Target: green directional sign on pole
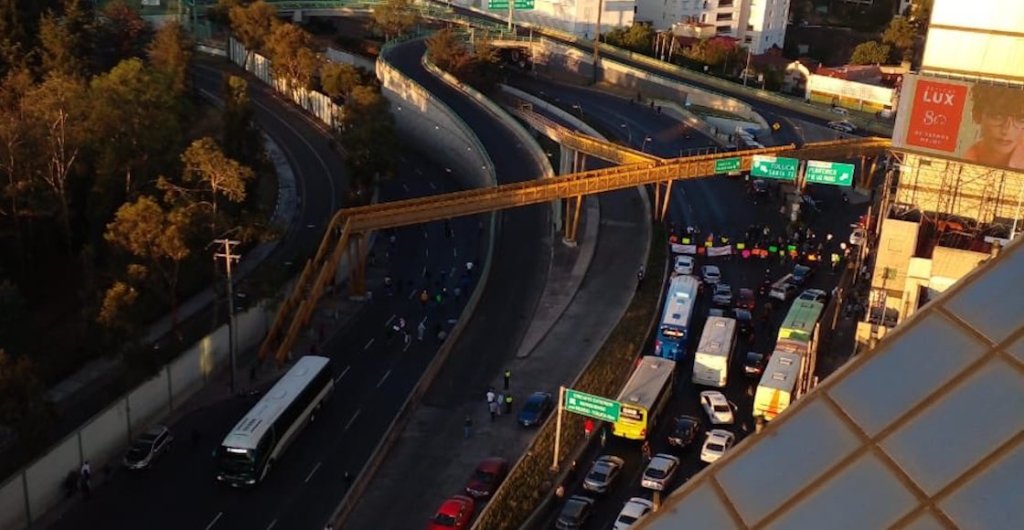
596,407
725,165
503,4
834,173
774,167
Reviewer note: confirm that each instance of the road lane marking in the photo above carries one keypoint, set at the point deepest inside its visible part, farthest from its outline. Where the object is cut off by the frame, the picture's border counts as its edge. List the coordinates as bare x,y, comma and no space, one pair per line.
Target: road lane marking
386,324
424,273
354,416
345,371
406,186
455,252
427,250
368,344
432,186
310,475
214,521
272,523
382,379
412,293
408,341
424,320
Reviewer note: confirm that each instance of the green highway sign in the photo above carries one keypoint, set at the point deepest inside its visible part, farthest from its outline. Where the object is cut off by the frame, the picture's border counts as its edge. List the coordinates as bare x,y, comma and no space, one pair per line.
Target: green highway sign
596,407
503,4
834,173
774,167
725,165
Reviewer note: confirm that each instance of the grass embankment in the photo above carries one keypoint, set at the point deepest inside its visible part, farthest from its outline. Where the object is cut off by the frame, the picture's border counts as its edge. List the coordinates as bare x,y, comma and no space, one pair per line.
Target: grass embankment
532,479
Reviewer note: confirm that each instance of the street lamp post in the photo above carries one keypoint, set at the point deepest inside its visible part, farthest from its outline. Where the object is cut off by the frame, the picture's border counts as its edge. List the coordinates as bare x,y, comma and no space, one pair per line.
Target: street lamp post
643,148
629,133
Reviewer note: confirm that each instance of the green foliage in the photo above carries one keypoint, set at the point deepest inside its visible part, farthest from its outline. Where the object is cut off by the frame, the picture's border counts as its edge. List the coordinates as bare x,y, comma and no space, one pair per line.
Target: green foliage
395,18
902,35
638,38
870,52
170,53
338,79
531,479
717,52
292,56
212,175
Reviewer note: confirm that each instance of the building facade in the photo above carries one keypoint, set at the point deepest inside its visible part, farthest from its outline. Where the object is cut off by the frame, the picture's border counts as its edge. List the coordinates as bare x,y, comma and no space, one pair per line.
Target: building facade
756,24
579,17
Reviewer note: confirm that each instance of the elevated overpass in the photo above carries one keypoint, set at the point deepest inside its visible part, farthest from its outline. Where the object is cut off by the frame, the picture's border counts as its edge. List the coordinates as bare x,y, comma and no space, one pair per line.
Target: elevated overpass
347,233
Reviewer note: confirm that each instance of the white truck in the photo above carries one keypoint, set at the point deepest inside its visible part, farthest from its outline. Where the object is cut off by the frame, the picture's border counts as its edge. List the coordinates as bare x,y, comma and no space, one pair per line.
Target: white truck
711,362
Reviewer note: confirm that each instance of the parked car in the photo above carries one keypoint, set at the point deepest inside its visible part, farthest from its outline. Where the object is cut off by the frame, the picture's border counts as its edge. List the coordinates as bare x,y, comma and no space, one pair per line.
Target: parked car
840,111
717,442
635,511
683,265
723,294
454,513
489,474
659,472
842,126
603,473
718,409
684,431
754,363
745,299
575,513
710,274
148,447
801,273
813,295
536,409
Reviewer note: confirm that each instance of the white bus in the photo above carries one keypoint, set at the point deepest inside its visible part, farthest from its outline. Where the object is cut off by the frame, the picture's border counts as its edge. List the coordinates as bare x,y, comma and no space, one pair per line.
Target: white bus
790,370
674,330
714,351
257,441
643,397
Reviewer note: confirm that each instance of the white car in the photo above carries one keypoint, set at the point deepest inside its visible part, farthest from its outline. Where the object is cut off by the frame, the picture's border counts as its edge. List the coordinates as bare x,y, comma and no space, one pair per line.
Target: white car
716,444
842,126
717,407
813,295
723,294
683,265
635,511
840,111
659,472
710,274
857,236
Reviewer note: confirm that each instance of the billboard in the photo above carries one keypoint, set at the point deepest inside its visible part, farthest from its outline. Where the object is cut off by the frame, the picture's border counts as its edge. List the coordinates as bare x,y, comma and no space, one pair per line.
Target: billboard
977,123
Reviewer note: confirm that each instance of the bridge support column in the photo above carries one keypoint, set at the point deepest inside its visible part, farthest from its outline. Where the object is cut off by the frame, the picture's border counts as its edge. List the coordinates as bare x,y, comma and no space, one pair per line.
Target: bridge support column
665,201
573,207
357,250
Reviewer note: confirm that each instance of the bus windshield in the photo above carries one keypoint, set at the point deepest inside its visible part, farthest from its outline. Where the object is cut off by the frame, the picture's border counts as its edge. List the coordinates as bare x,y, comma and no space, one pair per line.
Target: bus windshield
236,461
672,332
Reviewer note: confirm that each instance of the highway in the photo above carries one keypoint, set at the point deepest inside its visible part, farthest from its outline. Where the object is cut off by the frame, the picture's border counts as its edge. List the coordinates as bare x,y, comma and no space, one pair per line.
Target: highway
719,205
373,373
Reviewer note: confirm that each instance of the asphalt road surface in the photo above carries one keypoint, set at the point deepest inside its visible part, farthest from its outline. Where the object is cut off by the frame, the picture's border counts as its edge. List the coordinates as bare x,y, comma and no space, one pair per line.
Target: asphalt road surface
374,369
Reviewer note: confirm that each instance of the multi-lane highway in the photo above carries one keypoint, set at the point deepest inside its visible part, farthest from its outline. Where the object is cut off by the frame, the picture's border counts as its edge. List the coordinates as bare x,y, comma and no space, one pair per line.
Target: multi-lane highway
374,369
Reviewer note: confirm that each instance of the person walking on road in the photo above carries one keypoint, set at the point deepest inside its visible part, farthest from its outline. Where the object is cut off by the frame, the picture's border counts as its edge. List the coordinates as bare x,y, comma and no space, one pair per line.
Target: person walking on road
490,396
499,401
588,428
85,479
508,403
424,298
508,377
646,450
421,329
467,427
492,407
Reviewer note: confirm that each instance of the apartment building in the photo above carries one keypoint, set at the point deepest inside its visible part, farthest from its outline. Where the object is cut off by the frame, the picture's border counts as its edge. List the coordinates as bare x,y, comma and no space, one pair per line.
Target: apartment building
756,24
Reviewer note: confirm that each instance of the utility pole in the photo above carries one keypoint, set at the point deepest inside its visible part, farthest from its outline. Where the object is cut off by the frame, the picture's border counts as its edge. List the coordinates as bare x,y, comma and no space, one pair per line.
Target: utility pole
229,258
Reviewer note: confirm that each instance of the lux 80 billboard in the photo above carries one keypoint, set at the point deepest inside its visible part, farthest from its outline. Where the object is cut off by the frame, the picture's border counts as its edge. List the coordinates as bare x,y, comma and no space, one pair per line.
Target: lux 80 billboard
977,123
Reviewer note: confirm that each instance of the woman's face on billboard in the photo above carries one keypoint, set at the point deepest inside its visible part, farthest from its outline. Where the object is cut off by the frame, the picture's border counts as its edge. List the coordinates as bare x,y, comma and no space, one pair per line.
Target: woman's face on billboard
1000,132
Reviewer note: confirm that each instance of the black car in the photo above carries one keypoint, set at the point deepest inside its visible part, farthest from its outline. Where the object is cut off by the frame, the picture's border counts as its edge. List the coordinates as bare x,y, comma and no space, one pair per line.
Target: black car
684,431
754,363
575,513
145,450
536,409
759,187
801,273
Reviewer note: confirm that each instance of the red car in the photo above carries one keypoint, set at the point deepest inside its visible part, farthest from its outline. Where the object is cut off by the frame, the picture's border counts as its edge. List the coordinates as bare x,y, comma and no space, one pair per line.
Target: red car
488,476
453,513
746,299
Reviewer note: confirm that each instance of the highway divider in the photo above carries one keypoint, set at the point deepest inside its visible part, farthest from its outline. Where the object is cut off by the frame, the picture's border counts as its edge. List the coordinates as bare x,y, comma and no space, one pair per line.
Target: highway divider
423,126
530,487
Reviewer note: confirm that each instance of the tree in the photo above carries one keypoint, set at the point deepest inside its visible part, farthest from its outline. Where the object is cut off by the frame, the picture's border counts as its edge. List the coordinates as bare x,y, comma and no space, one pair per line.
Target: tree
57,109
241,138
21,393
220,13
68,40
124,29
115,312
157,237
870,52
368,137
18,159
214,174
252,25
290,50
395,17
638,37
170,53
338,79
902,35
446,50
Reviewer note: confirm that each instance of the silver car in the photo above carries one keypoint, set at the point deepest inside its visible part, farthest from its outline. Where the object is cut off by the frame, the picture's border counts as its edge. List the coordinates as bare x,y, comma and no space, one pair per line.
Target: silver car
148,447
603,473
659,472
